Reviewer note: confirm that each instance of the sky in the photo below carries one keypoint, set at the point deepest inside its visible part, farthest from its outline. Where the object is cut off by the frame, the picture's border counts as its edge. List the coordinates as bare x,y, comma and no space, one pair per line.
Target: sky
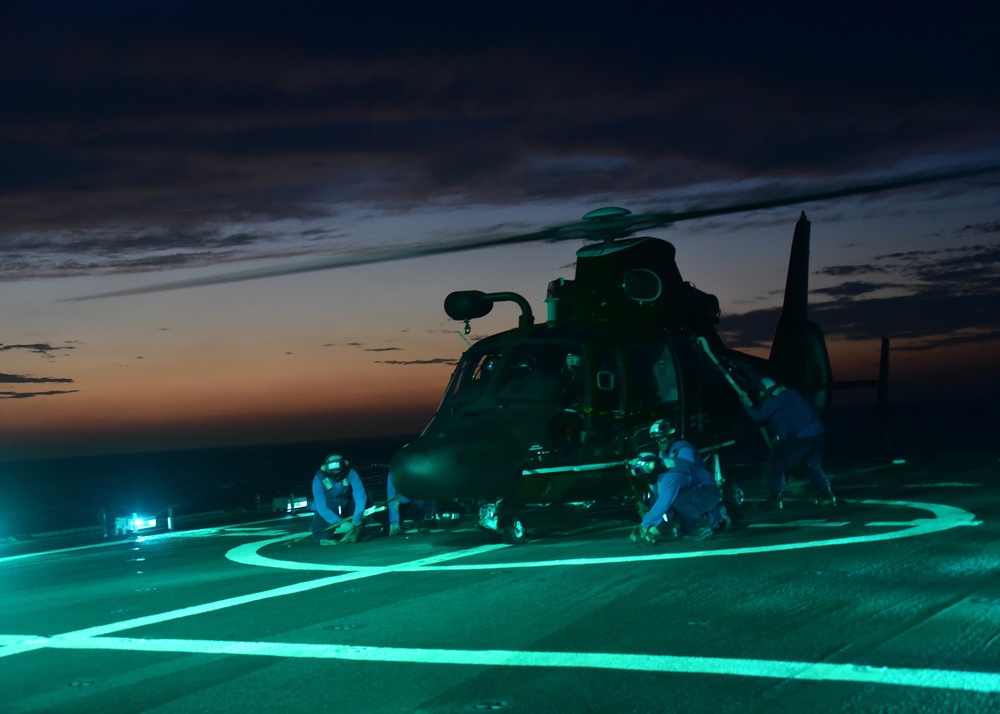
151,142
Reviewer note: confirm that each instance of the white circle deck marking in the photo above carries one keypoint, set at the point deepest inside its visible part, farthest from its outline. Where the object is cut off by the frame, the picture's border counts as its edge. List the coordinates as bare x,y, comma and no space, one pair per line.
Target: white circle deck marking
945,518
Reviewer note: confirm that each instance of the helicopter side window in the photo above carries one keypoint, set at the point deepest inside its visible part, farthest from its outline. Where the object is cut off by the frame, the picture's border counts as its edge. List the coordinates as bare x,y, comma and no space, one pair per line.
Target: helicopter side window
654,374
608,396
573,380
535,372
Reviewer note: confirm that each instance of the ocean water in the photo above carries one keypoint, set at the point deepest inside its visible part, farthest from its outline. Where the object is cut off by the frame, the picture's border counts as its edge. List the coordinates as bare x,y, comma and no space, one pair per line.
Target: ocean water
44,495
47,495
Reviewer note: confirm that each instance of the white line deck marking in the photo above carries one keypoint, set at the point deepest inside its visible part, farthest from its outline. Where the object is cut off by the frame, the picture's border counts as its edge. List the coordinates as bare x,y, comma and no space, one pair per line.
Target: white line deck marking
25,644
988,682
802,524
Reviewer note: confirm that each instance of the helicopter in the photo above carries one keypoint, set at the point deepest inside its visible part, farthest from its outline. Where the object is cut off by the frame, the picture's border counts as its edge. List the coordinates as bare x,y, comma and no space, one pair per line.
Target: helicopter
555,412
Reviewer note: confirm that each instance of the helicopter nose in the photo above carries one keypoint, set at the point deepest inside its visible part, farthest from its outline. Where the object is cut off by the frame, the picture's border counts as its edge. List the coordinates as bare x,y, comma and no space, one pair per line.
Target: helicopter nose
457,465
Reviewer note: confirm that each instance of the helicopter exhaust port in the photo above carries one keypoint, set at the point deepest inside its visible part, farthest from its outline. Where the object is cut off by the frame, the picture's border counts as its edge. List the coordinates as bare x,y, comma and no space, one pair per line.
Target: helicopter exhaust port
463,464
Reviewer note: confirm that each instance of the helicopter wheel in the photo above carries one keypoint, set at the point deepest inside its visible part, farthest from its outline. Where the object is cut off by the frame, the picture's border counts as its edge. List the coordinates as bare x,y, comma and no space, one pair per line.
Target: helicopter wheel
515,533
733,498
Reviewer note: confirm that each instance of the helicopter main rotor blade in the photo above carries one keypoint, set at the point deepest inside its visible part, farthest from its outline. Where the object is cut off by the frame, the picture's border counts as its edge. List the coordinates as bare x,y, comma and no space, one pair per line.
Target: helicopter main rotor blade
357,257
617,224
632,223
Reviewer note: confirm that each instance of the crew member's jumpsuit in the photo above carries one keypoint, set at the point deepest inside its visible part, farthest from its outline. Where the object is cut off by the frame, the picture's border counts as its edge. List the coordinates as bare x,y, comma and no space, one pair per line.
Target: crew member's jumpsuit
798,431
686,487
332,497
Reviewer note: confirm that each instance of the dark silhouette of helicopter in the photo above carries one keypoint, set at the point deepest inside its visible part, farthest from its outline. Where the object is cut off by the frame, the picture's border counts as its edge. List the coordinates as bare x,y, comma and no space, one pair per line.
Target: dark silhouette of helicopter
555,412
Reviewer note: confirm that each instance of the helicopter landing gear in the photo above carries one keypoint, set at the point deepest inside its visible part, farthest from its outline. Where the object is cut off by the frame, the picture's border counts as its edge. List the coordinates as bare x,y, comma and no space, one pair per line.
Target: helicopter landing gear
498,523
731,492
514,532
733,498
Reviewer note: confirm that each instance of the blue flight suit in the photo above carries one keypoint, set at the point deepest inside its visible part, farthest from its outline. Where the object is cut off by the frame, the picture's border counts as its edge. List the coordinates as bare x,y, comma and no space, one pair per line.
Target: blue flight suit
686,487
798,433
333,496
390,493
417,508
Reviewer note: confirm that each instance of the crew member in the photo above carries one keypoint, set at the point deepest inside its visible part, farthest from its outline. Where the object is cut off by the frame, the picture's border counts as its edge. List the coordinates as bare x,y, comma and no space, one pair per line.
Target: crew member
336,488
798,439
681,486
394,502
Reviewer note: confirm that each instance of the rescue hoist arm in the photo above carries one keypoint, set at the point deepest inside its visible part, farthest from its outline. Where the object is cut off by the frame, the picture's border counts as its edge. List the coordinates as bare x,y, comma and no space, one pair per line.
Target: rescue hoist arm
740,392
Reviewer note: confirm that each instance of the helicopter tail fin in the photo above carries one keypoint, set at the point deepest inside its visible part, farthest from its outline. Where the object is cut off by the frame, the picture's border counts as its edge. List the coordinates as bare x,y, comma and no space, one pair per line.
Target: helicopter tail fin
799,357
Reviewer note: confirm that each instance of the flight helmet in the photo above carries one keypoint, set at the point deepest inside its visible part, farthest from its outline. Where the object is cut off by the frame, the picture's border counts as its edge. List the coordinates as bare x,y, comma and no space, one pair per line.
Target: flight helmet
643,465
662,432
768,387
335,465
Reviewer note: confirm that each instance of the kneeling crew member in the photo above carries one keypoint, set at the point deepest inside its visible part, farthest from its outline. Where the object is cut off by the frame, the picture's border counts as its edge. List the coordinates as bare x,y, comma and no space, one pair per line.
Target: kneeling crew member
682,484
335,487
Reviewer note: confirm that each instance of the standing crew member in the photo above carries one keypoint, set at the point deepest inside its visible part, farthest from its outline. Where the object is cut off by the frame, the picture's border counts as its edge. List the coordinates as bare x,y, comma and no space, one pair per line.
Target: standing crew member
798,433
336,486
681,485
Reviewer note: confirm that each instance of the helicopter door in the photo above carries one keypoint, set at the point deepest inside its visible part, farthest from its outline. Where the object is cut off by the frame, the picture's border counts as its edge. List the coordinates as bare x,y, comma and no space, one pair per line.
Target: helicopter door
655,387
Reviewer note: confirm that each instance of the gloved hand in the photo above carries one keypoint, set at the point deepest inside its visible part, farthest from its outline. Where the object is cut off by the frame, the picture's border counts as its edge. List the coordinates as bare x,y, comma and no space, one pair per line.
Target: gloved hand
352,535
395,530
649,536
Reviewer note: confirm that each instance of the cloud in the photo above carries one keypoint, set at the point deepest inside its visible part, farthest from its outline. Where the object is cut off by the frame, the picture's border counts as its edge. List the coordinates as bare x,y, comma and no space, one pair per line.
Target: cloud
936,298
39,348
24,379
42,348
30,395
856,288
185,134
436,360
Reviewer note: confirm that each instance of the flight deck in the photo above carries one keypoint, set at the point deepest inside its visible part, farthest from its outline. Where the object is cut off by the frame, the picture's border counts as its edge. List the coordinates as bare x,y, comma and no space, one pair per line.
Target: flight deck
888,602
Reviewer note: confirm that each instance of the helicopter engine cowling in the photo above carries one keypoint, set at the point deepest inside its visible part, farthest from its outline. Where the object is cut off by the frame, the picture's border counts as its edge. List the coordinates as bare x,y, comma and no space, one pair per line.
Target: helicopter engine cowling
459,464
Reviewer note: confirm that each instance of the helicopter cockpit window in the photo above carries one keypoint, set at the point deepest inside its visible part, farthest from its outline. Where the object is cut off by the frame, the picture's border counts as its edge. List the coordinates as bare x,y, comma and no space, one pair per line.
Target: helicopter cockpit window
487,367
473,374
